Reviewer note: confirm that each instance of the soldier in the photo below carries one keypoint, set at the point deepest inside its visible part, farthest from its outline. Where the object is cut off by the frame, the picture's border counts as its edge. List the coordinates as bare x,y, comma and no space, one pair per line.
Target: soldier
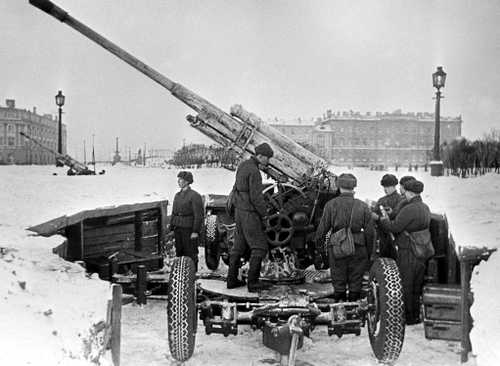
250,212
414,217
389,203
393,212
391,198
187,216
337,214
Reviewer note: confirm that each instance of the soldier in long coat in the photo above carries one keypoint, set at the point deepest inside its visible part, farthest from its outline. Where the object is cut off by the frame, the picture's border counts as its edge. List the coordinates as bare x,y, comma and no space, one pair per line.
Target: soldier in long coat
187,216
347,273
414,217
250,213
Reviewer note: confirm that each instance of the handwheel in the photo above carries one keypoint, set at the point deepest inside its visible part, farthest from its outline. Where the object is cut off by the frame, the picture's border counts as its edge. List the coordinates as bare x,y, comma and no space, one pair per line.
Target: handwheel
279,230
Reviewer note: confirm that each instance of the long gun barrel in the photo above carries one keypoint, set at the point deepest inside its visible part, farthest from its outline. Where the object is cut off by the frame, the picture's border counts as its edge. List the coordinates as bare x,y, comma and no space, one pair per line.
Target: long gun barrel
65,159
240,131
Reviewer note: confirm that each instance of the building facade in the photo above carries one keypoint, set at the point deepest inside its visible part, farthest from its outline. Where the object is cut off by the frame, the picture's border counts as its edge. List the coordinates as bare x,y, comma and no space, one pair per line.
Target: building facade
14,148
389,139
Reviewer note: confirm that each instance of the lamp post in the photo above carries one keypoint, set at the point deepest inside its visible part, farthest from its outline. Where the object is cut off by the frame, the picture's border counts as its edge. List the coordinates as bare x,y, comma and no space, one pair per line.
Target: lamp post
60,102
438,80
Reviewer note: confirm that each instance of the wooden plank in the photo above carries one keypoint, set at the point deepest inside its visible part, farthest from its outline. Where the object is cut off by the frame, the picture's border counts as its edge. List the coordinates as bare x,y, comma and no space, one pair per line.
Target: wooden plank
141,284
82,241
162,225
138,231
116,320
151,257
108,230
51,227
112,211
150,214
452,261
108,331
149,242
152,278
127,218
109,239
465,276
94,251
128,243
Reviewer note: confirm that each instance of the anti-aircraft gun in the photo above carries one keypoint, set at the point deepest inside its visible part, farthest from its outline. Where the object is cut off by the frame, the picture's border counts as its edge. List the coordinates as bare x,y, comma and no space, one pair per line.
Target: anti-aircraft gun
75,167
300,187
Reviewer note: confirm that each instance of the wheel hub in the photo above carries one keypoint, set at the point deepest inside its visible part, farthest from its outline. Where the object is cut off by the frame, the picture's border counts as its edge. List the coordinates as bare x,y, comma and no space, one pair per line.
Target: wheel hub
374,313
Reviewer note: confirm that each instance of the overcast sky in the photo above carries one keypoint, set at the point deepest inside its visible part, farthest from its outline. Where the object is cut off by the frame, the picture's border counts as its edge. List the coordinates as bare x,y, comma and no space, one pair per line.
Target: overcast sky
284,59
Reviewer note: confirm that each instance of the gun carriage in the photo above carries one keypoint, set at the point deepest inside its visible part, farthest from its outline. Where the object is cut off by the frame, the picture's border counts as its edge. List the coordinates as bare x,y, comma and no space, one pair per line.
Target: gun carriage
301,185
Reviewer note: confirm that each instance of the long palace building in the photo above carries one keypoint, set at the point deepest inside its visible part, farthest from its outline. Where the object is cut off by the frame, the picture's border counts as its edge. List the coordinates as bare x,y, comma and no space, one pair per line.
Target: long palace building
14,148
350,138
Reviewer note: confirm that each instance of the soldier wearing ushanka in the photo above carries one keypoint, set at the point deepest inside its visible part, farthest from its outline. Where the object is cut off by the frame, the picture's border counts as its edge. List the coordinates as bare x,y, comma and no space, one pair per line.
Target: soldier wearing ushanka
187,217
250,212
413,218
340,212
389,202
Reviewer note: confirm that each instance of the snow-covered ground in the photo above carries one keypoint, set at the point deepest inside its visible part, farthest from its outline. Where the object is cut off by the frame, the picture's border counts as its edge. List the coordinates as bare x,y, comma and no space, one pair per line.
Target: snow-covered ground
48,306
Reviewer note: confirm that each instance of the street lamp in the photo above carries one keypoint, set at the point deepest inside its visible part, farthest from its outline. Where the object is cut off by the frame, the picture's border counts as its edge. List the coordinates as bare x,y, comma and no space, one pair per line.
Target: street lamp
438,80
60,102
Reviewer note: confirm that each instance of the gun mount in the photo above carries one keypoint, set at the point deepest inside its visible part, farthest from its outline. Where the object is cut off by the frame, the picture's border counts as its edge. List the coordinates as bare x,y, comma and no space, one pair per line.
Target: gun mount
295,203
75,166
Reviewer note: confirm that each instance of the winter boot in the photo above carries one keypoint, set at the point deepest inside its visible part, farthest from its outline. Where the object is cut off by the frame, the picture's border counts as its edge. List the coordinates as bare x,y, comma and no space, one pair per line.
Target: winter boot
254,285
339,296
232,273
354,296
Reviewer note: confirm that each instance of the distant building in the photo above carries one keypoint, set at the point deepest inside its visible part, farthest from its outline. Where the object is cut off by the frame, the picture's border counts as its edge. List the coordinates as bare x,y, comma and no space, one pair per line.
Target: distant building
159,157
349,138
14,148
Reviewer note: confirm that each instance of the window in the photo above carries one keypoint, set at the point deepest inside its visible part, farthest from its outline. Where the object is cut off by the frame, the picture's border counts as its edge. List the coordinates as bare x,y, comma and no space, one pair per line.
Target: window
12,141
321,141
1,140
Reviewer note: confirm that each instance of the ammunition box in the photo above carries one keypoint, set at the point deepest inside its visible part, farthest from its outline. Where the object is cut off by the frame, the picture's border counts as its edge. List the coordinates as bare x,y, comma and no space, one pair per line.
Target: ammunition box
442,312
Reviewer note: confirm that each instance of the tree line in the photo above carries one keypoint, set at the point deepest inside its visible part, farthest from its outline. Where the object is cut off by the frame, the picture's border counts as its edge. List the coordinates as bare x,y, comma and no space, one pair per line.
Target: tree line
465,158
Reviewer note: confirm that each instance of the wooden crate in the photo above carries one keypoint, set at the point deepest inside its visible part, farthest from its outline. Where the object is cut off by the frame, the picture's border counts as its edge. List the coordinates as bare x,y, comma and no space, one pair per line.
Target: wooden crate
113,239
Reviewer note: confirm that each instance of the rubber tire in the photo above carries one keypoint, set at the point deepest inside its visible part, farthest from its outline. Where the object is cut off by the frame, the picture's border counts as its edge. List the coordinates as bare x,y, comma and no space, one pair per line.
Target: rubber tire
388,342
181,309
212,250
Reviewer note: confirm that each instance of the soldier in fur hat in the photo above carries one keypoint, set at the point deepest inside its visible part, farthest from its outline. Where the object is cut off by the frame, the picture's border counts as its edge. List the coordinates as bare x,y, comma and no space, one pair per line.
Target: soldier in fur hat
187,217
250,212
389,202
342,211
411,223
